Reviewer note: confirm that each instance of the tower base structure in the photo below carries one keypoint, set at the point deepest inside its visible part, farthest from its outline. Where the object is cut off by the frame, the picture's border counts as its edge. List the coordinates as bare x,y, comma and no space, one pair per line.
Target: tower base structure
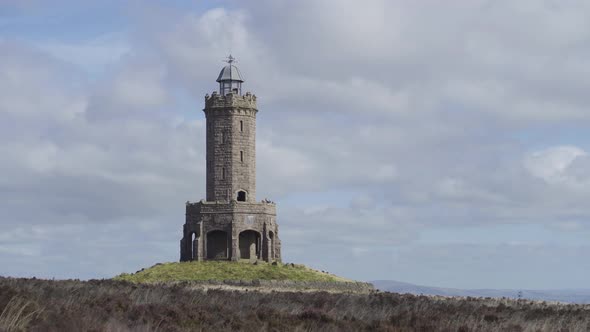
230,231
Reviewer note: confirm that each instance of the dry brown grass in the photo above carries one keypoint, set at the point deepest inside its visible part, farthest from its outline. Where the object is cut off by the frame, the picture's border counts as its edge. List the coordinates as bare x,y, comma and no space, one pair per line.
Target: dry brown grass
107,305
18,314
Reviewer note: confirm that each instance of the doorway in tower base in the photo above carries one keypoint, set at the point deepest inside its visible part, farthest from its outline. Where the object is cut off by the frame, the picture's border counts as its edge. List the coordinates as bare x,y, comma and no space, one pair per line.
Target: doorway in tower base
217,245
271,251
249,245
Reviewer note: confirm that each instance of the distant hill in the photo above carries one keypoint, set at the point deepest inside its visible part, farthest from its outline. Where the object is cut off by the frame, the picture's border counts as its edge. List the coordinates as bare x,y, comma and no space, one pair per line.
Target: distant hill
564,295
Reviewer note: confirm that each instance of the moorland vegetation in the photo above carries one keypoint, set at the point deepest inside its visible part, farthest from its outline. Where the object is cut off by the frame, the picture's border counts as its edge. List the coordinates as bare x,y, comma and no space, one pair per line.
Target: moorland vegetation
114,305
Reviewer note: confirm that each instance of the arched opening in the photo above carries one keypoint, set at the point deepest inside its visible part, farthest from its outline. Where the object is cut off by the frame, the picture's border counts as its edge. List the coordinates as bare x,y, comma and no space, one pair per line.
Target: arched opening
217,245
241,196
192,250
249,244
271,240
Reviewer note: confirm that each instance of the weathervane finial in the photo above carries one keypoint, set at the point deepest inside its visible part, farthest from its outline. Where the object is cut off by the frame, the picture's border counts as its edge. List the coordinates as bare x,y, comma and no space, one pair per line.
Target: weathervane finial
230,59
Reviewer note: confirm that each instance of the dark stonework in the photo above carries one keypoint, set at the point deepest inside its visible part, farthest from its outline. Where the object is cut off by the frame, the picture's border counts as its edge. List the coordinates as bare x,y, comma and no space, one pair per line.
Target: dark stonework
230,224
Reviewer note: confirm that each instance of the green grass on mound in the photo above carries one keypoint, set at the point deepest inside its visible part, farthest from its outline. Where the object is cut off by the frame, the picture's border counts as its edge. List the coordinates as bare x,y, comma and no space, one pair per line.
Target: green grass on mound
225,270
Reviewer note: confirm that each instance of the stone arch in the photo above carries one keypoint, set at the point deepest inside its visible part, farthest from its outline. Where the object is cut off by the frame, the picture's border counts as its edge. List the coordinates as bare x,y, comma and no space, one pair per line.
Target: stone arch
241,195
217,245
271,245
249,244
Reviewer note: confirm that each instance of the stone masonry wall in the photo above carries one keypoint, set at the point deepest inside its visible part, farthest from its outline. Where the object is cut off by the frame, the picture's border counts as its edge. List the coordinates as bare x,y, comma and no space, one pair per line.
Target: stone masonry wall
231,146
231,168
232,218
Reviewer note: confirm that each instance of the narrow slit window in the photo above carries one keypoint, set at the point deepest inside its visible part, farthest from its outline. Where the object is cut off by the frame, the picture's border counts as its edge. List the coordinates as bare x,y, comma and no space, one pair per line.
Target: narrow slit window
242,156
223,173
241,125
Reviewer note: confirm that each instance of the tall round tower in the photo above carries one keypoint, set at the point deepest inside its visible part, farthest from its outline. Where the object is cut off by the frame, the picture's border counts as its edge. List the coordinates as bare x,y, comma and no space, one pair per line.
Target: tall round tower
230,224
231,139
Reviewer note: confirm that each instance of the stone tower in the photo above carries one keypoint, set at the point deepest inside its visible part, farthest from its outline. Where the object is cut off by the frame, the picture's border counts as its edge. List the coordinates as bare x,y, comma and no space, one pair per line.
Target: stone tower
230,224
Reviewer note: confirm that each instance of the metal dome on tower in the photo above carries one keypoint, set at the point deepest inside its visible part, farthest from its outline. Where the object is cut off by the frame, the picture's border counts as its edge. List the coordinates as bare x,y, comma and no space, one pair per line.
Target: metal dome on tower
230,79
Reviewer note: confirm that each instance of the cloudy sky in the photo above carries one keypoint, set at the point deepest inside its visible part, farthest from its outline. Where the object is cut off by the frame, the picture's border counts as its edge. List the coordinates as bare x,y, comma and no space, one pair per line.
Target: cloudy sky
439,143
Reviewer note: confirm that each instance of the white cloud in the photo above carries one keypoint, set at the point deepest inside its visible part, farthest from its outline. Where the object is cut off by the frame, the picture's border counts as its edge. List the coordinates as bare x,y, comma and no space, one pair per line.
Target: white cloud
92,55
140,88
33,85
552,164
283,162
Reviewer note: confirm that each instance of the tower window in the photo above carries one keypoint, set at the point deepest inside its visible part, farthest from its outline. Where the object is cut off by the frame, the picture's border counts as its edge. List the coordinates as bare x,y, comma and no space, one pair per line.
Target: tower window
241,196
241,125
242,156
223,173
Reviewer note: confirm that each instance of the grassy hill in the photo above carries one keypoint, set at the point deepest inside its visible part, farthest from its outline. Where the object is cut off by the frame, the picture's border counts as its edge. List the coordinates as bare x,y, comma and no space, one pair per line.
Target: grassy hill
225,270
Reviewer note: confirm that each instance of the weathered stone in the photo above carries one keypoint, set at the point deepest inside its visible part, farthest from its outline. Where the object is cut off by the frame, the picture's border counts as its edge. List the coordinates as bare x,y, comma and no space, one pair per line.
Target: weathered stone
230,224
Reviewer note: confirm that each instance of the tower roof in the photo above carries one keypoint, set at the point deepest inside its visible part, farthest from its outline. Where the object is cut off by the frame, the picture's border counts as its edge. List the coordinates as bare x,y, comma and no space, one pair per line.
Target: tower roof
230,72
